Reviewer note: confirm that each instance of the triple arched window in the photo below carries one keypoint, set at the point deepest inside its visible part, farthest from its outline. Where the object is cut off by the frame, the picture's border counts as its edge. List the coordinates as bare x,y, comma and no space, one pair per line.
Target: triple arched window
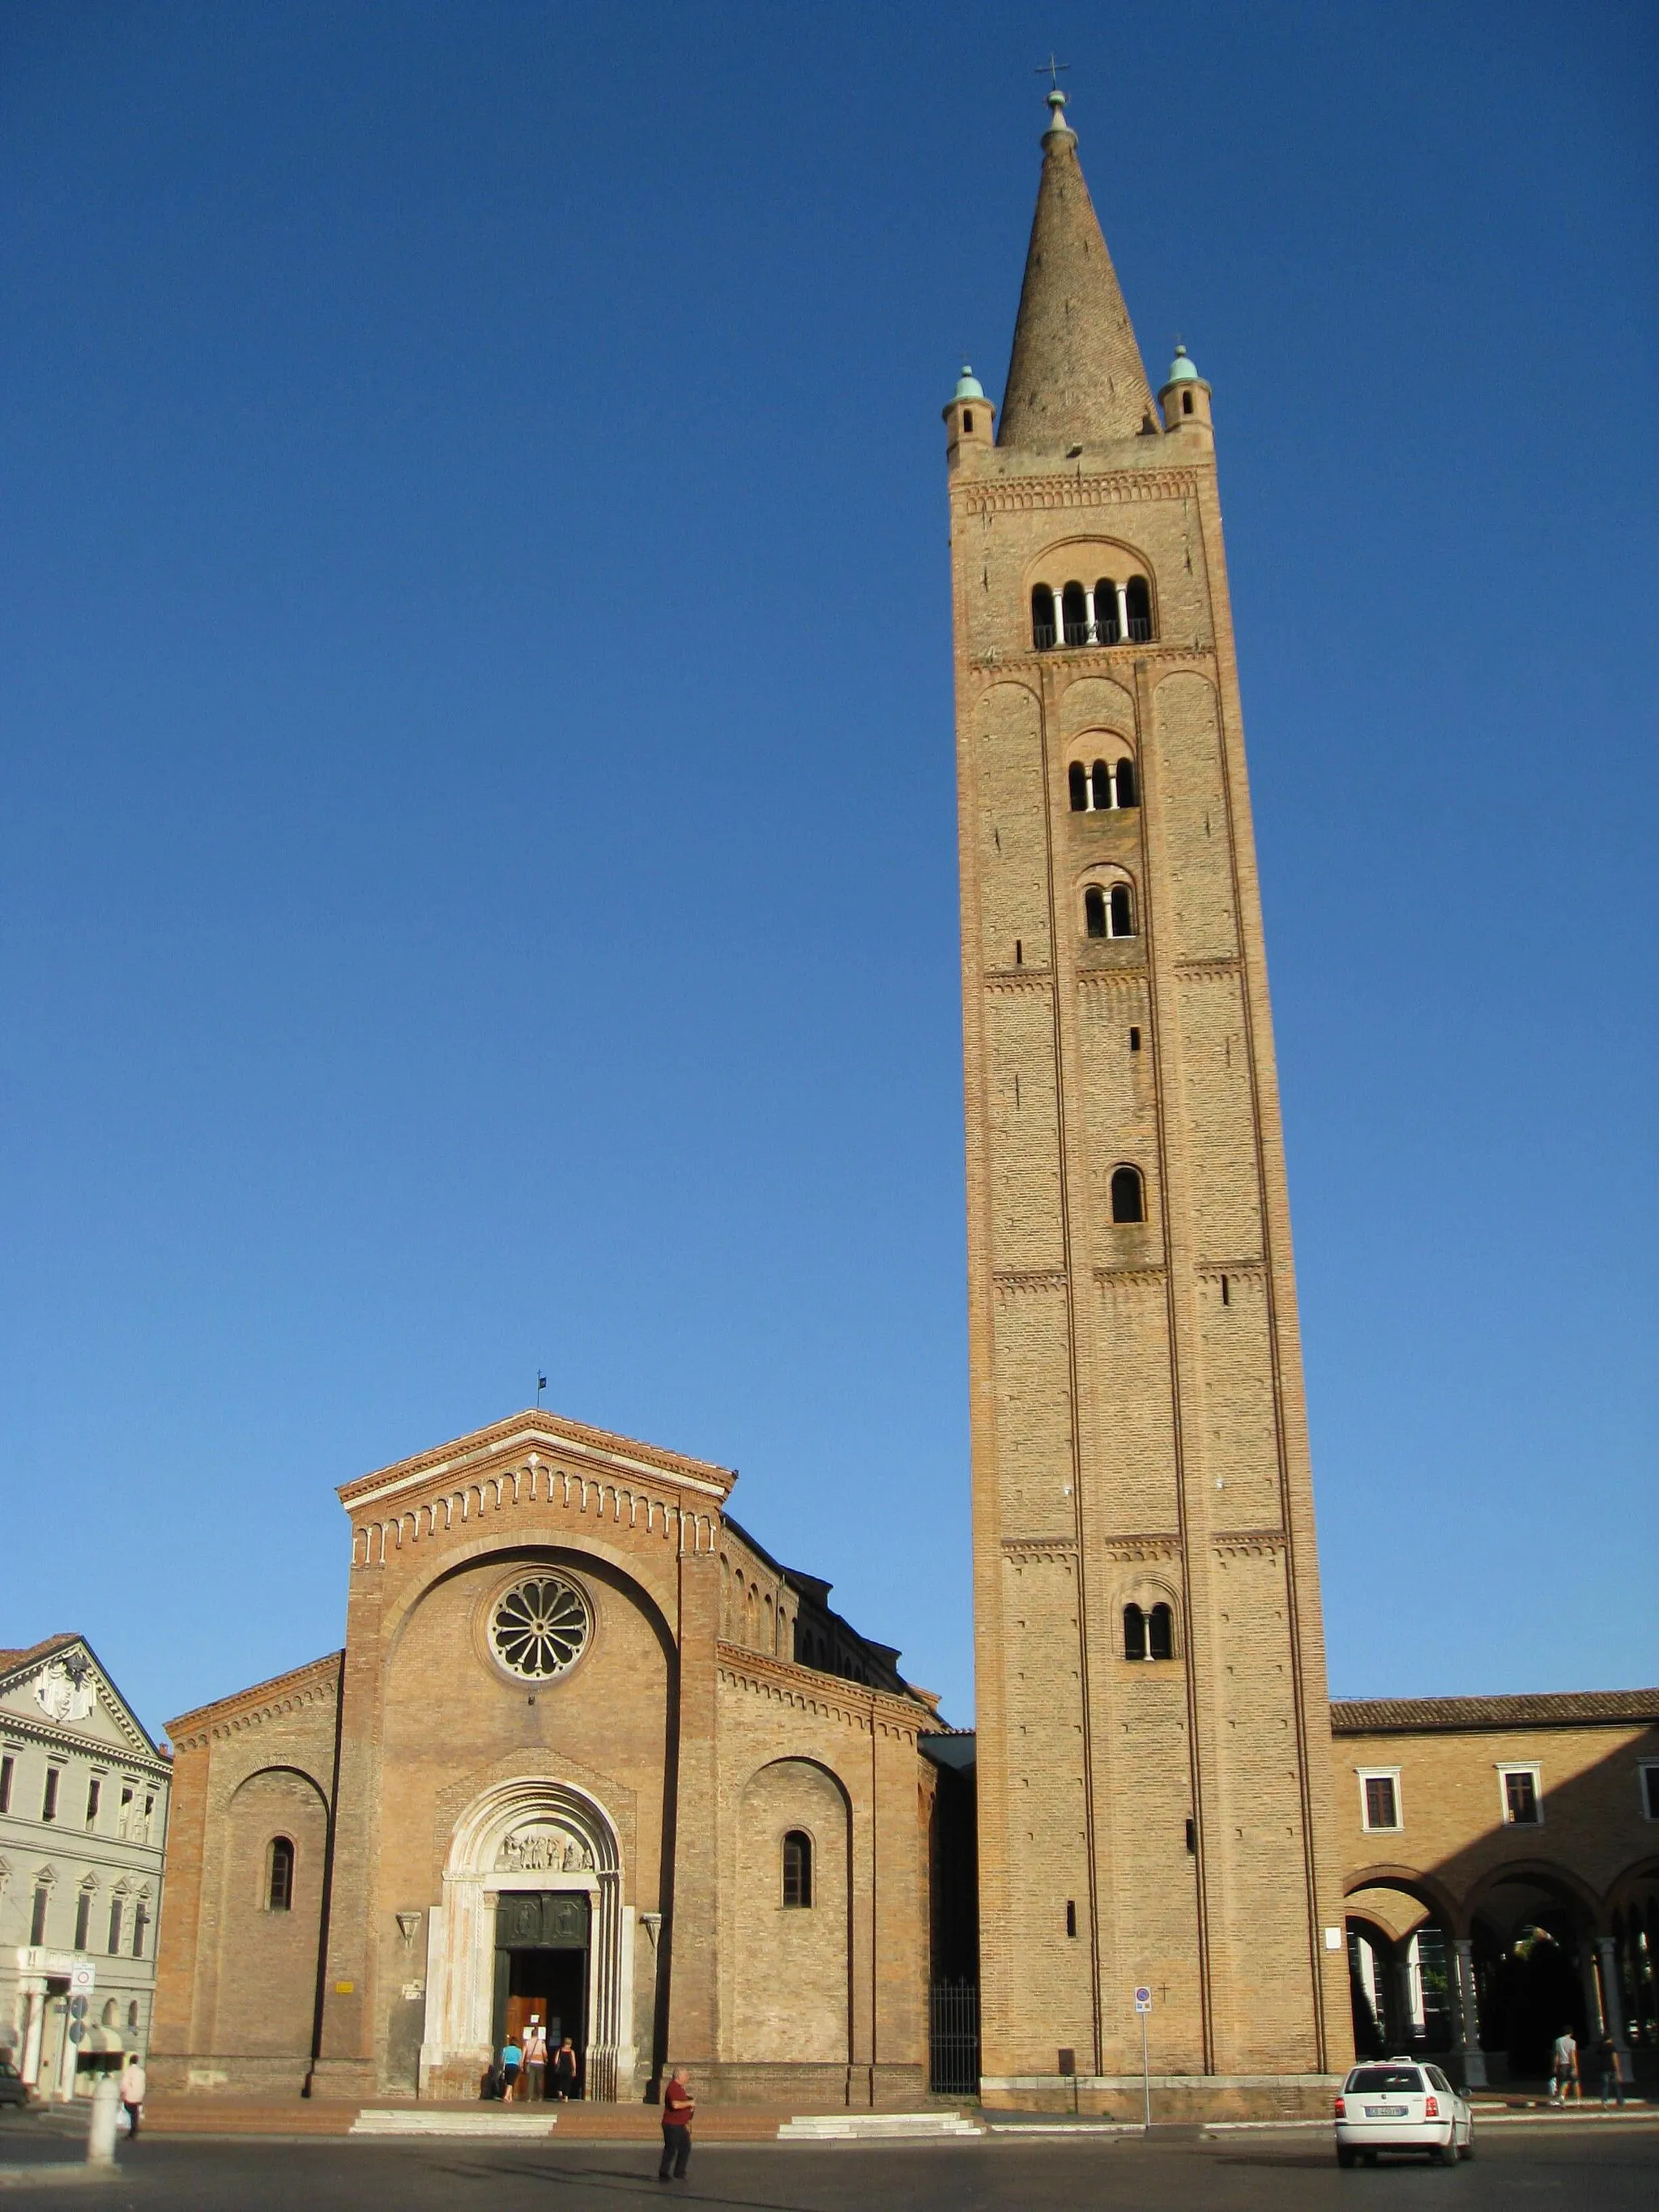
1104,787
1109,611
1108,910
797,1869
1148,1633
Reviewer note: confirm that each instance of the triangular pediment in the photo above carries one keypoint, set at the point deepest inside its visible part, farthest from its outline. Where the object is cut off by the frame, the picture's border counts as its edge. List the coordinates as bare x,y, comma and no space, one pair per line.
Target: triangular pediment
562,1442
62,1685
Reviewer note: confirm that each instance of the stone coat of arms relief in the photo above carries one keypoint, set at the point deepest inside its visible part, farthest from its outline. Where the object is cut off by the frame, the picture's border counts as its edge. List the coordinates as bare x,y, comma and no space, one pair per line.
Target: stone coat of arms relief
63,1695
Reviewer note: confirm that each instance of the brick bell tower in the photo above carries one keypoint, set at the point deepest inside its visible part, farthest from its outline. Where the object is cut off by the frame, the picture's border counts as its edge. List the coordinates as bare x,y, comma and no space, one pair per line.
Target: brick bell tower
1154,1732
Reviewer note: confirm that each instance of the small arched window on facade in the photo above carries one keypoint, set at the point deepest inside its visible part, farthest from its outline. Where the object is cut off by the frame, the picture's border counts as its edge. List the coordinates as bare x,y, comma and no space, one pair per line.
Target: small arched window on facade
1042,618
1094,911
1079,779
1128,1199
279,1887
1100,787
1074,612
1121,912
115,1905
797,1869
1106,612
1123,783
1135,1632
1139,598
132,2017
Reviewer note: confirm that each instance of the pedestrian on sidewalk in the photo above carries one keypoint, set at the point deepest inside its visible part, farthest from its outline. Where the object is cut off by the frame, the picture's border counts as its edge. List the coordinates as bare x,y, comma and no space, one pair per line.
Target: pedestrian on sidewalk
512,2060
1607,2058
1564,2068
535,2060
133,2085
677,2112
565,2068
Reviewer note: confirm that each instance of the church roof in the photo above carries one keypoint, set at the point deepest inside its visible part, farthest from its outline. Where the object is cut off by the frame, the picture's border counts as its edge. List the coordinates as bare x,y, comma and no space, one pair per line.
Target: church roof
1076,377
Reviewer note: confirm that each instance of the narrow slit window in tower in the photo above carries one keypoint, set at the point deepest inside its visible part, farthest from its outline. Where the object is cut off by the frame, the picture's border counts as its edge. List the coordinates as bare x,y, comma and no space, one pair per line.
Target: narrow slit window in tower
1134,1040
1186,407
1126,1205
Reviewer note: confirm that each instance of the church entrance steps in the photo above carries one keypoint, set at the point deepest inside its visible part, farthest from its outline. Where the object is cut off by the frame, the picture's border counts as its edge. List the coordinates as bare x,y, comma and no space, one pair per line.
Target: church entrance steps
875,2127
500,2122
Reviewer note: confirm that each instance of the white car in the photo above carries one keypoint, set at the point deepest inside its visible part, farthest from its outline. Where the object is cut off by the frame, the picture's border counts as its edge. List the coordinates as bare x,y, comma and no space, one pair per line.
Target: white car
1401,2104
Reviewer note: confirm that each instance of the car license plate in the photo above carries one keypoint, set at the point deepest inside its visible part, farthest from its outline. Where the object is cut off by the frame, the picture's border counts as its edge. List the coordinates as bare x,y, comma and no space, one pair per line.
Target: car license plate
1386,2112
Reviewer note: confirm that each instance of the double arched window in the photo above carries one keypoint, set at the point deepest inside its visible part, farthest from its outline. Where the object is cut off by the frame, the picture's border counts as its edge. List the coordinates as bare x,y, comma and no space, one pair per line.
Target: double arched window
1110,612
1102,788
1148,1634
797,1869
1108,910
279,1878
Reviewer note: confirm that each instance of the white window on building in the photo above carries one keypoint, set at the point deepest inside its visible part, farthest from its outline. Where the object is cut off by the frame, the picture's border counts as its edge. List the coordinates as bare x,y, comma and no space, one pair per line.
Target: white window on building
1379,1799
1520,1791
8,1777
1648,1778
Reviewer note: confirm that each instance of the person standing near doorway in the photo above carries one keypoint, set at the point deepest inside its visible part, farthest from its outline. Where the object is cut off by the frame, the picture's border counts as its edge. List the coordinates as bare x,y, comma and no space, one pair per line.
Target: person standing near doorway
1564,2068
564,2071
132,2091
512,2060
535,2060
1607,2058
677,2112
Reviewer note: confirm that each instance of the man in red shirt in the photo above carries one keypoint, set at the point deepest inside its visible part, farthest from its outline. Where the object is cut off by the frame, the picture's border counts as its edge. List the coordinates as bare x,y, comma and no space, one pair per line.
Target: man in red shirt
676,2112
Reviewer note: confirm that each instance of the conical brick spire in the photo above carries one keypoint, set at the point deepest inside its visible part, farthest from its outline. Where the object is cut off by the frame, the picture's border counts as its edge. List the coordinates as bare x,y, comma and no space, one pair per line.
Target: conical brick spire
1076,377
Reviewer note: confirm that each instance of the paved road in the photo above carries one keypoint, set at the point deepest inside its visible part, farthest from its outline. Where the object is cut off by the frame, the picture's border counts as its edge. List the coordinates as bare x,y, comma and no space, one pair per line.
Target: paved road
1589,2170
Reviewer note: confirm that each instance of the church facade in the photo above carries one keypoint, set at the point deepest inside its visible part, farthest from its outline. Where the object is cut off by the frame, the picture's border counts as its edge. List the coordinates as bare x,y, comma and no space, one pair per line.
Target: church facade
591,1757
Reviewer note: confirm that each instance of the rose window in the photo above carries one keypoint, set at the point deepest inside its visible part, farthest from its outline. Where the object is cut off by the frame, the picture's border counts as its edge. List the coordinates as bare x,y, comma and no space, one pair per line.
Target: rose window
540,1628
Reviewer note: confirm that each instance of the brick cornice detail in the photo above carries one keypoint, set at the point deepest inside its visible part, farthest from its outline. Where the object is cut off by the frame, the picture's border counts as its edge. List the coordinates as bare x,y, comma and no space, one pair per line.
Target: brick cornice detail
1105,1276
265,1701
1018,979
1128,1548
1058,494
1029,1279
1249,1543
441,1505
804,1687
1215,971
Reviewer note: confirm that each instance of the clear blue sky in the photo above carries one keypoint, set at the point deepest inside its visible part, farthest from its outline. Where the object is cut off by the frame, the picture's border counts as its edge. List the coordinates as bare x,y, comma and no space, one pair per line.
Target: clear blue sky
477,874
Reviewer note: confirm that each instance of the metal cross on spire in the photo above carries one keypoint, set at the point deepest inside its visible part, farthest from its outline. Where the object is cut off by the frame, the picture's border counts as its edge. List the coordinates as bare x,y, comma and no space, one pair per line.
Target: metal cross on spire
1052,70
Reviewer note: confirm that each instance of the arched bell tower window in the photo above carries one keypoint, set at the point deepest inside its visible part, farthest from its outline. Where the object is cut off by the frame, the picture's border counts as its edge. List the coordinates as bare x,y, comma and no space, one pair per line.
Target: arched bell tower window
797,1869
279,1882
1129,1195
1139,598
1094,911
1100,787
1120,912
1042,618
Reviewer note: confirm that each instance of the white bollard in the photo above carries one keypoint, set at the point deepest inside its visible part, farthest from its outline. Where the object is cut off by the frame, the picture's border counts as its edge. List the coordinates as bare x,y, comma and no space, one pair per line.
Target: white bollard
100,2136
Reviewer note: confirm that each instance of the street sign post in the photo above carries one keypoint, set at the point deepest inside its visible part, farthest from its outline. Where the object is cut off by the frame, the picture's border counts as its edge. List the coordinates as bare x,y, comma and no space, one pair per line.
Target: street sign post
1143,2006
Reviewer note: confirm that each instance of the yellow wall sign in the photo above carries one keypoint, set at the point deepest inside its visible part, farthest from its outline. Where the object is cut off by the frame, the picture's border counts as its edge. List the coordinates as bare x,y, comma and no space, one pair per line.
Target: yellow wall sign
344,1989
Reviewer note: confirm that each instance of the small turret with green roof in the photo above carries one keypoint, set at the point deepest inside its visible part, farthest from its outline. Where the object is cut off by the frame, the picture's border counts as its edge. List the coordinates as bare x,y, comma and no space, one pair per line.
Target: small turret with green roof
1185,398
969,417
